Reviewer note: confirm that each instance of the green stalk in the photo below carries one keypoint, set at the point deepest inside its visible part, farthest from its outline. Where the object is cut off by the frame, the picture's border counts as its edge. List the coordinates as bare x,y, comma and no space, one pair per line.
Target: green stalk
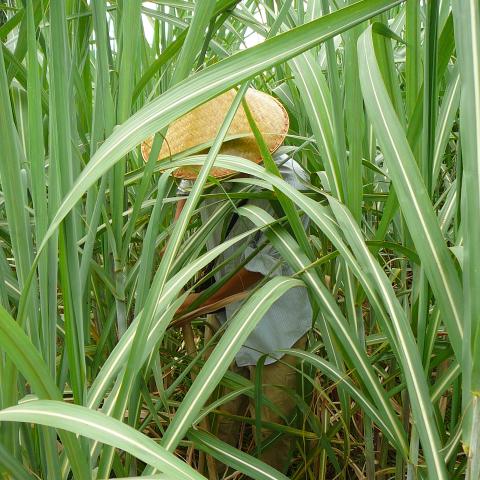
62,161
15,202
39,196
467,30
129,33
430,100
413,56
355,124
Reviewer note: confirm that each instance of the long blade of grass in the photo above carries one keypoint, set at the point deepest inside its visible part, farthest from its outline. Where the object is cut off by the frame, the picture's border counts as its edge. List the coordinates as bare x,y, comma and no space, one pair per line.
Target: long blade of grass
467,35
412,193
445,121
317,100
10,465
410,358
15,203
13,188
97,426
37,161
347,338
63,169
27,359
233,457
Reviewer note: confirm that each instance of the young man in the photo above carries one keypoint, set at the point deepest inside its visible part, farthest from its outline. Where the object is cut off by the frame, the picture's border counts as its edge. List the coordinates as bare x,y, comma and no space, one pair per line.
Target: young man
290,317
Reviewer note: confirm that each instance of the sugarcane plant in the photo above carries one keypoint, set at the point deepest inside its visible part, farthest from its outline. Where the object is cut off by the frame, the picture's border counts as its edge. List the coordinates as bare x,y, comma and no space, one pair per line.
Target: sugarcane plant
97,379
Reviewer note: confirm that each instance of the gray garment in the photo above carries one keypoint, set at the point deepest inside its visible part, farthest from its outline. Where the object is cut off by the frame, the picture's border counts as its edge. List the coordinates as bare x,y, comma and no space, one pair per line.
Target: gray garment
290,317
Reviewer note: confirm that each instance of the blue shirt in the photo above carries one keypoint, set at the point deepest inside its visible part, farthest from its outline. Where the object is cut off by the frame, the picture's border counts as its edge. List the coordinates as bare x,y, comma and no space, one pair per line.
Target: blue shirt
290,317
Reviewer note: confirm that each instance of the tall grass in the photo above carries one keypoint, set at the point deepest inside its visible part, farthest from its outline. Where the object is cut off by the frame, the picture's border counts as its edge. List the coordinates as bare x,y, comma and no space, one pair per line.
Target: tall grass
384,103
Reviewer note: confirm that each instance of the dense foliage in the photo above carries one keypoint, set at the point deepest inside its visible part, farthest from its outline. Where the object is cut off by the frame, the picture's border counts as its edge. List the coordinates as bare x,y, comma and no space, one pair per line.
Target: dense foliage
99,377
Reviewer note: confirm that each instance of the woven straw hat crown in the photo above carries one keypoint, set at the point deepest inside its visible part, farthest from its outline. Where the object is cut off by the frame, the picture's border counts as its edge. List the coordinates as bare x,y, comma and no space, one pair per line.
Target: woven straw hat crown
201,125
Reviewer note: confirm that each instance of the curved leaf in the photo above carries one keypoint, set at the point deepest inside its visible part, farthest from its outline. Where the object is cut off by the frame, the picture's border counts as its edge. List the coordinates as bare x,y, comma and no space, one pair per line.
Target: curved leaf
222,356
412,193
18,347
233,457
97,426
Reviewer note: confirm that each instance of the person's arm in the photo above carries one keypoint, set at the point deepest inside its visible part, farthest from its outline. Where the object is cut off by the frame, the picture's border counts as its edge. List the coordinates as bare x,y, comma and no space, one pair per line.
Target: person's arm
242,281
178,211
180,205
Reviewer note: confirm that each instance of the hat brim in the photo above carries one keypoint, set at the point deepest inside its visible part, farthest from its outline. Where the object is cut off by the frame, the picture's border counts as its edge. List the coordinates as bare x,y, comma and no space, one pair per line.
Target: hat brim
201,126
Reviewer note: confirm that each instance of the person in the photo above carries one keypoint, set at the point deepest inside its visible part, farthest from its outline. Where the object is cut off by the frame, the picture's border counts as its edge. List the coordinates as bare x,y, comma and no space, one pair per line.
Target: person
289,318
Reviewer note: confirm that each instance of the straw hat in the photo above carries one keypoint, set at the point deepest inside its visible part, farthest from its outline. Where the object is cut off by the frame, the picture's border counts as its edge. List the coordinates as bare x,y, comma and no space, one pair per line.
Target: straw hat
201,126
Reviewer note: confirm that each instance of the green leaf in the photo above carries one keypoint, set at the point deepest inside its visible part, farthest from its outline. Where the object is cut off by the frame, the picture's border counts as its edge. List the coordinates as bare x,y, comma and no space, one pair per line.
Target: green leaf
97,426
233,457
222,356
27,359
467,35
412,194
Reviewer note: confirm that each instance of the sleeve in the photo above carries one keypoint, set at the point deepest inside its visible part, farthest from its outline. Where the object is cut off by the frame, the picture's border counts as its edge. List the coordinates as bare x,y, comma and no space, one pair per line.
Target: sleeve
268,261
184,187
